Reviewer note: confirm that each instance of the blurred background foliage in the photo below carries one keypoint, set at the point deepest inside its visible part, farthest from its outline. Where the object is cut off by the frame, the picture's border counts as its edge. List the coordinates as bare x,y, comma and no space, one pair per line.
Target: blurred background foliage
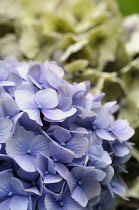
93,40
128,7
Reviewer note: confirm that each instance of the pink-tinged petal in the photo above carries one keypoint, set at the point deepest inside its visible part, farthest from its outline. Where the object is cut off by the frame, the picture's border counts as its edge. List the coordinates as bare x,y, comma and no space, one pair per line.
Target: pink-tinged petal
51,178
79,196
24,99
103,134
7,83
19,202
54,115
47,98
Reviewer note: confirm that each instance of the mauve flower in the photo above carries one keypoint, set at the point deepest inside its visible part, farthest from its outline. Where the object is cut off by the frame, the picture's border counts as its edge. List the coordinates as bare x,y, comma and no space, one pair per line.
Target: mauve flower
12,196
23,147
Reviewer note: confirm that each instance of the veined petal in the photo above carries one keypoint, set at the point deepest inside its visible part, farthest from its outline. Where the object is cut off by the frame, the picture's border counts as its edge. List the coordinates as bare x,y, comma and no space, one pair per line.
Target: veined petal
25,100
103,134
47,98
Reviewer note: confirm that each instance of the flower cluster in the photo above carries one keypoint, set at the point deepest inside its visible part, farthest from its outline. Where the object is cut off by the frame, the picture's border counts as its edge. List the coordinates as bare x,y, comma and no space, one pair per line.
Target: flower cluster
61,148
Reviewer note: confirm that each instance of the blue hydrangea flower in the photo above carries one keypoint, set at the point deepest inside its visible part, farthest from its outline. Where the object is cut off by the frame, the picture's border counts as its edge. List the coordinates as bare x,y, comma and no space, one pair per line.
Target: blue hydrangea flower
84,183
46,168
75,142
44,101
24,147
12,196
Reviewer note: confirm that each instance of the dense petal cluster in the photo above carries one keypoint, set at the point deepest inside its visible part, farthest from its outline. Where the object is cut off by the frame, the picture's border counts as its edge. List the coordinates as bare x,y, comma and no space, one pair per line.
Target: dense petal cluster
60,147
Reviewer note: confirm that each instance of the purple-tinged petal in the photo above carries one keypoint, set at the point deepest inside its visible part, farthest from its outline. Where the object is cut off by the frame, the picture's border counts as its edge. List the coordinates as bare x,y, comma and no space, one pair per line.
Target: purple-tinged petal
40,144
104,134
5,129
120,149
65,103
7,83
3,71
18,202
59,154
22,69
18,144
79,196
50,178
25,100
26,162
62,170
47,98
51,204
70,112
109,174
62,135
54,115
34,114
102,121
5,204
53,79
4,184
121,130
78,145
90,187
9,107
